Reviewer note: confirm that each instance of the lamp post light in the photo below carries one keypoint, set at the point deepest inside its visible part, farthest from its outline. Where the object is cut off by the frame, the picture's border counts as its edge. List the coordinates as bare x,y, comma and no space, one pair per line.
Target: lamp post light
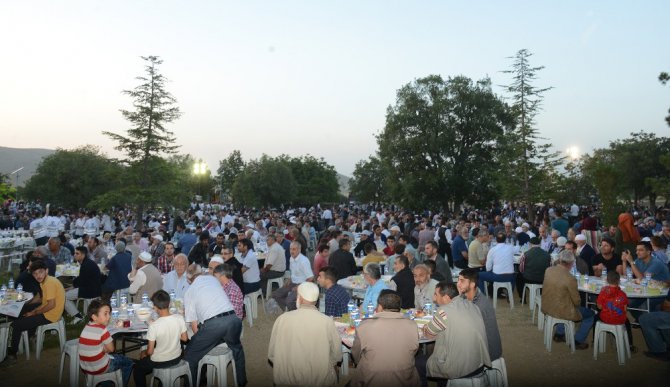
199,169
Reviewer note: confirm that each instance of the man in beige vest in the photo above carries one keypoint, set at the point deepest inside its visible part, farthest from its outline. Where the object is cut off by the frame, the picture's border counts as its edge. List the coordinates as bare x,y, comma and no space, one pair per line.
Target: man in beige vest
144,278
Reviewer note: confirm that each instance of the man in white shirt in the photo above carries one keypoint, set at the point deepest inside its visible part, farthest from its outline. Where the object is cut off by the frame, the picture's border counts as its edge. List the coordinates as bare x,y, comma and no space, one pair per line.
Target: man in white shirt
327,217
212,323
499,264
38,230
251,274
275,263
301,271
177,279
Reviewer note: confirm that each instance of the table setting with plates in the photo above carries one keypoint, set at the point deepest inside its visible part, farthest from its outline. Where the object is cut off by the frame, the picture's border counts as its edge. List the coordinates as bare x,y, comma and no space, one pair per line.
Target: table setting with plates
13,300
634,288
357,282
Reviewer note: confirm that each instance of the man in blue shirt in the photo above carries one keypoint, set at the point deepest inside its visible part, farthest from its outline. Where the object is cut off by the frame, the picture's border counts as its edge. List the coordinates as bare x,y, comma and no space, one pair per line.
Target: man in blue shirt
372,274
645,264
655,326
336,297
560,223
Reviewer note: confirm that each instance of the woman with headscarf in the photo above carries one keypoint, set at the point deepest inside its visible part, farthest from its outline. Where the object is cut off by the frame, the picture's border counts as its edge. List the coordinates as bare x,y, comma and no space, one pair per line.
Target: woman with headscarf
626,236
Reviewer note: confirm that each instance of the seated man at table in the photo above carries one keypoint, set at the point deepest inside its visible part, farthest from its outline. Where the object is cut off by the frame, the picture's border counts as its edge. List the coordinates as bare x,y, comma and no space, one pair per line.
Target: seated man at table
440,263
607,259
560,299
304,344
460,347
57,252
499,264
212,323
424,286
342,260
144,278
177,279
372,274
301,271
403,281
29,283
467,286
336,297
275,263
251,274
656,330
585,252
224,273
86,285
380,361
43,252
645,264
532,265
372,255
164,337
119,266
96,344
49,311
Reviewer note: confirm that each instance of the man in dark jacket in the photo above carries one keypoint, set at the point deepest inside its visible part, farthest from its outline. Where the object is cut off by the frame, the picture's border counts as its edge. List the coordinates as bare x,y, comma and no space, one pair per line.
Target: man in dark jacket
119,267
404,281
86,285
532,266
200,253
342,260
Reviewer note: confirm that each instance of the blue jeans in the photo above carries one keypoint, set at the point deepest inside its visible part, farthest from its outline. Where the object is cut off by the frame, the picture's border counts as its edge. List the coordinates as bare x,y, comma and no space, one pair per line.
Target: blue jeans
656,330
584,327
124,364
226,329
489,276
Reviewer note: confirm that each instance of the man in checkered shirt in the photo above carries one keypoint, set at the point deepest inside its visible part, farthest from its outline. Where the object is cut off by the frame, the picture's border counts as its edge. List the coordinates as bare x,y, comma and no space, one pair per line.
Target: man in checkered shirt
336,297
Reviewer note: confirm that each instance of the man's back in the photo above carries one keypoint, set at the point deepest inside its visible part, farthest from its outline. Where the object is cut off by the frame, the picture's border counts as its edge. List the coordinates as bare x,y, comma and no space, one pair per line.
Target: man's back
500,259
559,294
343,262
304,347
535,263
382,361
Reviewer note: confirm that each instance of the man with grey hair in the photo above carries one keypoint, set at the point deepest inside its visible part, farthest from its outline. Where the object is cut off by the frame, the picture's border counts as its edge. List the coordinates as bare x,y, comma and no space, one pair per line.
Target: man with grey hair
275,263
372,274
424,286
301,271
560,299
57,252
43,252
478,249
118,268
177,280
224,273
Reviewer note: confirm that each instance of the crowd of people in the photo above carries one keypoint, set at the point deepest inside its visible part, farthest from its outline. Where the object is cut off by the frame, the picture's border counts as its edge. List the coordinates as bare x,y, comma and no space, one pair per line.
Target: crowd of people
211,253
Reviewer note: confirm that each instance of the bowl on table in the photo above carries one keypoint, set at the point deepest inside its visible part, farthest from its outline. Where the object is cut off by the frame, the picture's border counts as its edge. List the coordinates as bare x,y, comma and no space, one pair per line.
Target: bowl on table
143,314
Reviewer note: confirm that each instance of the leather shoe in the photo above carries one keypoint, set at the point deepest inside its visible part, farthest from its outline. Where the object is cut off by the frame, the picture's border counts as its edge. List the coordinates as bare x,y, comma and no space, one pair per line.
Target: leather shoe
658,355
559,338
581,345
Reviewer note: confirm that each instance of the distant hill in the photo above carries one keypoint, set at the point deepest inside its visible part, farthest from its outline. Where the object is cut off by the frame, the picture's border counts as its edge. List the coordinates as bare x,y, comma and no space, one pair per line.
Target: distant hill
12,159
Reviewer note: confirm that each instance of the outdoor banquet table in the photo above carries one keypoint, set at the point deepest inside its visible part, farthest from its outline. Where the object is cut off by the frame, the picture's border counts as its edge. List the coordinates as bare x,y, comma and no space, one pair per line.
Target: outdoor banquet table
633,291
12,308
347,336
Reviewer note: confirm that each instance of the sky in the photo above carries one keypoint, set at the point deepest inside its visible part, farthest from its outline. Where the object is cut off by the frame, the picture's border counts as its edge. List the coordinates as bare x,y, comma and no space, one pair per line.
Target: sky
316,77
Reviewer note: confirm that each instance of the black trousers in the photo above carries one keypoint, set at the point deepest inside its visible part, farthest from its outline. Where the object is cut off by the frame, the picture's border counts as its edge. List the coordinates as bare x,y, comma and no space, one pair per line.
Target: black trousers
22,324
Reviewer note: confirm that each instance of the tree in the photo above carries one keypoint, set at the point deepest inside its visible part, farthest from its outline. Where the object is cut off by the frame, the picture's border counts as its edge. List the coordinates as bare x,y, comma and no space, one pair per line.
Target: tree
266,182
600,169
440,143
369,183
148,140
527,163
316,180
6,189
229,169
73,178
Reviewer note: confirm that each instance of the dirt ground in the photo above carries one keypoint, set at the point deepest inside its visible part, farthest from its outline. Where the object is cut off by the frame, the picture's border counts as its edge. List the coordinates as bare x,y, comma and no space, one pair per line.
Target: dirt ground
528,363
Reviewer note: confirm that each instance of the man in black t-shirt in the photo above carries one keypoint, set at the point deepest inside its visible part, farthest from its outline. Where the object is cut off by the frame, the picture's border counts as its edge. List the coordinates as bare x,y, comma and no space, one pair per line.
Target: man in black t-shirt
607,259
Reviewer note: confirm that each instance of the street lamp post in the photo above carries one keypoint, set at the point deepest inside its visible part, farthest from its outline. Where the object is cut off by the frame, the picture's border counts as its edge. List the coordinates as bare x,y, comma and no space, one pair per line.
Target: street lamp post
199,169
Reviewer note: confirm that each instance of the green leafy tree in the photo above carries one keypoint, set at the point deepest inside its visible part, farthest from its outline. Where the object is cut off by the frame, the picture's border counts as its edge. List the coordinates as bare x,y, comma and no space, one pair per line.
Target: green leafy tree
528,164
229,169
266,182
6,189
148,140
369,183
73,178
440,143
600,168
316,180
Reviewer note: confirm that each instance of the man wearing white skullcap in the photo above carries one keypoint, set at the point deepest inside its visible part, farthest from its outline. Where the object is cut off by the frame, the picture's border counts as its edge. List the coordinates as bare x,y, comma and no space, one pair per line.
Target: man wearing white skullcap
305,346
144,278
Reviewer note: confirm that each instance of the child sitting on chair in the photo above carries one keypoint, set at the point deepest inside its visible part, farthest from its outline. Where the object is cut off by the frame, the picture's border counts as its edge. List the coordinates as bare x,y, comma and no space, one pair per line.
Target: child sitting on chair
612,302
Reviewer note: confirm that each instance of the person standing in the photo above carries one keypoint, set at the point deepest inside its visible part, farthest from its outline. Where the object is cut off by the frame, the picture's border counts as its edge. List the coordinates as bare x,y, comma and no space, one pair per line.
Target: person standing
304,344
380,361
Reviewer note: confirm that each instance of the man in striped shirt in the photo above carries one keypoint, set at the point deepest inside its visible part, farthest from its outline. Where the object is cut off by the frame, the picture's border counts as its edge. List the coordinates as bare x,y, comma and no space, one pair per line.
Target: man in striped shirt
96,344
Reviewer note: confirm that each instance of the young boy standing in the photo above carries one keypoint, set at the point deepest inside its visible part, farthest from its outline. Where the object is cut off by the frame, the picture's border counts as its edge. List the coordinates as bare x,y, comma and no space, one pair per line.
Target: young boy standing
96,344
612,302
164,336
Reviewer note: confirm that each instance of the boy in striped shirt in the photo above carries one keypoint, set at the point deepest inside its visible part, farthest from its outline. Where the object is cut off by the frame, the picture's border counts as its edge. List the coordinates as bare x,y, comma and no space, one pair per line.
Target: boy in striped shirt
96,344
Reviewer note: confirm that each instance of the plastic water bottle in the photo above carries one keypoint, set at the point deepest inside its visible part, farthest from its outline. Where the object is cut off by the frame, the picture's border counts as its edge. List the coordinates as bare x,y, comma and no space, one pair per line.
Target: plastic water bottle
351,306
112,302
173,295
647,276
574,271
115,315
428,308
124,299
604,274
578,277
145,300
370,310
11,283
586,281
19,288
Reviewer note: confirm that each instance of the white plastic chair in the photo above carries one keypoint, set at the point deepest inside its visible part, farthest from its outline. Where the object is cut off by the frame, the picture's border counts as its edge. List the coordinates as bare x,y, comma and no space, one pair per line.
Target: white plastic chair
24,344
168,376
479,380
533,290
115,377
86,301
620,339
216,362
279,281
497,375
71,350
540,315
346,352
251,303
42,329
510,296
549,324
4,336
